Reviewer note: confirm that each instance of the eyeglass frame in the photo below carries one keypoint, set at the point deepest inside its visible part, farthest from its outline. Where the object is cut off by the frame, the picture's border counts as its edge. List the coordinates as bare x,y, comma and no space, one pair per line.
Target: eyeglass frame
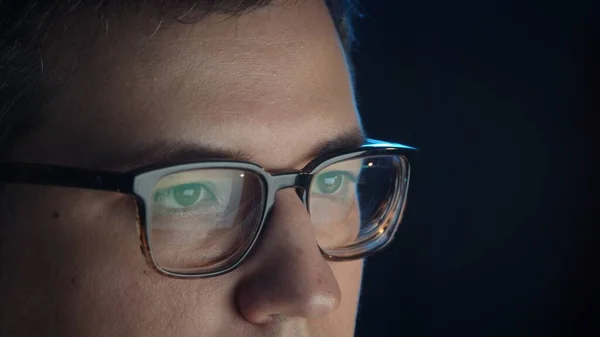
140,182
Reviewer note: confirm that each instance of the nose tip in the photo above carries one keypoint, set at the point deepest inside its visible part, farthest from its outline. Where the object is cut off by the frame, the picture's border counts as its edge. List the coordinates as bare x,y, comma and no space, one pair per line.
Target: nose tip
321,304
262,301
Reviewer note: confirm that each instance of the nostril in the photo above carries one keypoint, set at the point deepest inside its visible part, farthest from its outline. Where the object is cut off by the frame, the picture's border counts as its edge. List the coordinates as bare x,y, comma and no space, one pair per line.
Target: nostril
278,318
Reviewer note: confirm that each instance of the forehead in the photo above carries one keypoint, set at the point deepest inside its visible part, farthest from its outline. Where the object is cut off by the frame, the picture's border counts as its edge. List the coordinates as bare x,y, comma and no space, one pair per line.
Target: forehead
270,84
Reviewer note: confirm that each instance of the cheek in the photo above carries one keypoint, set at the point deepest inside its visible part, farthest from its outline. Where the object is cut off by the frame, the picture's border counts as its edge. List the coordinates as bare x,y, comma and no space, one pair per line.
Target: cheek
336,225
349,276
59,241
76,255
341,322
56,230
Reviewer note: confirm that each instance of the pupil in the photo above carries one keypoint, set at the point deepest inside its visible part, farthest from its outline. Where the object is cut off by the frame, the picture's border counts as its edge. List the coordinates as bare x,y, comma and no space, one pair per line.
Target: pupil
188,194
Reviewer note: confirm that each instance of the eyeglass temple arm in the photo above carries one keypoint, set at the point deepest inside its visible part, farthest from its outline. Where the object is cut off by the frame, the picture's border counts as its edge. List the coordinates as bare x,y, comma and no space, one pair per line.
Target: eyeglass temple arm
370,142
65,176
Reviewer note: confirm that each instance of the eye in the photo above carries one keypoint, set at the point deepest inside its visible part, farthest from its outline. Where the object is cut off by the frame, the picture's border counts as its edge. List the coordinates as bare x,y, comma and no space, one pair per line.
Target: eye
331,182
184,195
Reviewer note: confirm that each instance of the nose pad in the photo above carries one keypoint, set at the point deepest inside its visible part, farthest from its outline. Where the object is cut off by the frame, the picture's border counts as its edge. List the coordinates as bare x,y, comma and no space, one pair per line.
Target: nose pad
301,192
302,184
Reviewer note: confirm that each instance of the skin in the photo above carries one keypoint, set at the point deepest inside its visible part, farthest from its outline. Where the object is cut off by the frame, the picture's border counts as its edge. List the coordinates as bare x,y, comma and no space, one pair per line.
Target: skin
271,85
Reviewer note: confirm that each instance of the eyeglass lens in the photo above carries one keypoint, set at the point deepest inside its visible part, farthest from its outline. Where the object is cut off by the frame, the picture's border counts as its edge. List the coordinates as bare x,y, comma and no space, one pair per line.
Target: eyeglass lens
203,220
354,204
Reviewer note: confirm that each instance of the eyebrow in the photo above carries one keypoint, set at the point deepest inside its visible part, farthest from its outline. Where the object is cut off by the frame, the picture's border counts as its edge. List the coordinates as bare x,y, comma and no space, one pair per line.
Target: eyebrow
349,140
170,153
178,152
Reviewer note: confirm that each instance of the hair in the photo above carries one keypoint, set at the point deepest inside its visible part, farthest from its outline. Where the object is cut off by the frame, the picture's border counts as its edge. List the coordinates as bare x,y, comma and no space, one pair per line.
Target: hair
24,25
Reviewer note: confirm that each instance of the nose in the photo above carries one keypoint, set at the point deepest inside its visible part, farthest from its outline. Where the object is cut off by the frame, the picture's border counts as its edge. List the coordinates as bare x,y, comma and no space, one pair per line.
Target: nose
289,277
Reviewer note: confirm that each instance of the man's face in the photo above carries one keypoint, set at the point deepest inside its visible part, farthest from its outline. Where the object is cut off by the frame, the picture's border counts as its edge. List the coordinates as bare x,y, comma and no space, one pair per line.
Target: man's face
269,85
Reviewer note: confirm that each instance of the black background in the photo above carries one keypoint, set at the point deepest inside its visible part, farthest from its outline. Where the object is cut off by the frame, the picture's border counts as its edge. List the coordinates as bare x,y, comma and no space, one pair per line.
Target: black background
499,234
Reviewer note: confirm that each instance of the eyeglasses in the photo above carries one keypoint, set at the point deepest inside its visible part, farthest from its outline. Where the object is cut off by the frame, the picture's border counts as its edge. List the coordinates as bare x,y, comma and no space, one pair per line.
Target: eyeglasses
202,219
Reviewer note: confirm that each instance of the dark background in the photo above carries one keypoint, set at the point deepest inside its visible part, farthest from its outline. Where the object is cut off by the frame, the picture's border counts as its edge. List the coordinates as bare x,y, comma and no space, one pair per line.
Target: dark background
500,233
